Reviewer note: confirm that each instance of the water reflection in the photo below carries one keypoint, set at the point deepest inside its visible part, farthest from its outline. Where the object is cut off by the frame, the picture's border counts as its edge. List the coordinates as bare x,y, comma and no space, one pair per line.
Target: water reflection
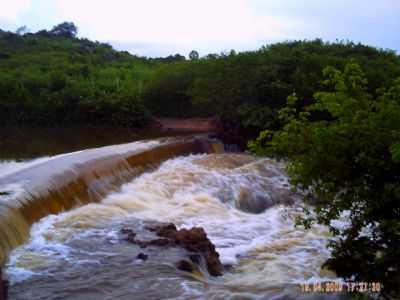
22,143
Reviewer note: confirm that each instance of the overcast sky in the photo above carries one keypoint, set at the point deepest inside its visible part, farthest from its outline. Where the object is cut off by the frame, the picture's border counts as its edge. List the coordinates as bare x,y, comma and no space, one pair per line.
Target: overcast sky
163,27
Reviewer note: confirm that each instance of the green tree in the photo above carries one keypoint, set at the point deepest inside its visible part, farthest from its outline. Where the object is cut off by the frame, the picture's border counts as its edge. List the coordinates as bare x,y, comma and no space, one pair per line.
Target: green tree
22,30
65,29
343,152
194,55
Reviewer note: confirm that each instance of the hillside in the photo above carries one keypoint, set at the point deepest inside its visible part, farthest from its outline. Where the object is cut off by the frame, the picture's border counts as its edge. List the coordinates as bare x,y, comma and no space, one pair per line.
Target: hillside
54,78
47,79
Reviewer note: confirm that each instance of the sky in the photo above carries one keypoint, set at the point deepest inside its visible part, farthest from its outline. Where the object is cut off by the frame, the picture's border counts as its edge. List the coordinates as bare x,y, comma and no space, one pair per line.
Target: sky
163,27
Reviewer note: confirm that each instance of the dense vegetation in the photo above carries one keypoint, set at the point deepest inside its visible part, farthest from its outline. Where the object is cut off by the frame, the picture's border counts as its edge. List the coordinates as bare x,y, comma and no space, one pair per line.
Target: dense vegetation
54,78
347,163
246,90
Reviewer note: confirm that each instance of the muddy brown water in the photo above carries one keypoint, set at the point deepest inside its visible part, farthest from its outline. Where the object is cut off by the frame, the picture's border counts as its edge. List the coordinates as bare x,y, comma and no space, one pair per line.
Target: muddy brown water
242,202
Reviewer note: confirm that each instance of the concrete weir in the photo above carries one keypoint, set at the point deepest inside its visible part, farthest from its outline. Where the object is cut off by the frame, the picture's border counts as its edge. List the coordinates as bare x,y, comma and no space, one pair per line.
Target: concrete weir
77,178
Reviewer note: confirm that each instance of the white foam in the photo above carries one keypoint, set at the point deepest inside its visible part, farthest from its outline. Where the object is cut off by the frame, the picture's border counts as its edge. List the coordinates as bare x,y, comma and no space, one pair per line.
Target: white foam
188,191
189,194
17,275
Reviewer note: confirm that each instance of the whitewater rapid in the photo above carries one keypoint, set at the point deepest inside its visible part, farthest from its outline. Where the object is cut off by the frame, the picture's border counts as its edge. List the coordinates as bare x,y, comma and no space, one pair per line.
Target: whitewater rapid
243,203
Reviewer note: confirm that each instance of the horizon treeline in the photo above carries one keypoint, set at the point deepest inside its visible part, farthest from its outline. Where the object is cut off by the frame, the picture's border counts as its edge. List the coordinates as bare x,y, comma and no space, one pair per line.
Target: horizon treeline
53,78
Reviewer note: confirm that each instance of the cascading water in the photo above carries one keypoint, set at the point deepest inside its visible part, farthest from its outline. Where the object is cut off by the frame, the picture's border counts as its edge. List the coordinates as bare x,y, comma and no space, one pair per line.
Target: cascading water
78,178
242,202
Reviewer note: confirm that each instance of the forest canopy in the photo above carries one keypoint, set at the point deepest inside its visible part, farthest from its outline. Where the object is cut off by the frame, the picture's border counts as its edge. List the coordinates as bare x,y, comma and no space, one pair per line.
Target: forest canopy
55,78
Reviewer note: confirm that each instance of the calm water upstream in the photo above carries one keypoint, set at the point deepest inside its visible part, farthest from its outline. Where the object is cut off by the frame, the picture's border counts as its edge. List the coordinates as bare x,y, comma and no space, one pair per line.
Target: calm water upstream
81,254
24,147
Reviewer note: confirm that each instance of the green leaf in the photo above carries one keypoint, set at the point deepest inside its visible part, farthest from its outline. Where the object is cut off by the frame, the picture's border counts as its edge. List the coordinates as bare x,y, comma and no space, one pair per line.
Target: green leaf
395,152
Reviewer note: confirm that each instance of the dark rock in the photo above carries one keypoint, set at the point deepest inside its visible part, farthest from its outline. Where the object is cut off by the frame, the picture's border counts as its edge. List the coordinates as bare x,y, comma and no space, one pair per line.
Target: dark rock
228,267
195,258
131,237
126,231
167,231
160,242
184,265
194,240
252,202
214,265
152,229
3,287
142,256
141,244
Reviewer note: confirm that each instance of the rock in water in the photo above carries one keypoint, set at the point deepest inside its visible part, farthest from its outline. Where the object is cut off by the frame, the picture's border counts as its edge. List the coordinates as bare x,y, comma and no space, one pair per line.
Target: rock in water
184,265
252,202
142,256
194,240
3,287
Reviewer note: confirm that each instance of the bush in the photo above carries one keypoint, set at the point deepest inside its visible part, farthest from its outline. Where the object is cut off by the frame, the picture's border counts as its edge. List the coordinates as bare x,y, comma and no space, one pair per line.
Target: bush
349,161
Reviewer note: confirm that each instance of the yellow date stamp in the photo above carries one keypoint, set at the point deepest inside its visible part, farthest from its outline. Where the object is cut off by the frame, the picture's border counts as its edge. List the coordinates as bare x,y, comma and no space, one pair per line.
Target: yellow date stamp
340,286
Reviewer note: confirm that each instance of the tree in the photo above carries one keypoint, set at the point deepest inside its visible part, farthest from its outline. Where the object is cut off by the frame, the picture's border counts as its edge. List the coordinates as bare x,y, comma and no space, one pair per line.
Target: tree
348,163
194,55
178,57
65,29
22,30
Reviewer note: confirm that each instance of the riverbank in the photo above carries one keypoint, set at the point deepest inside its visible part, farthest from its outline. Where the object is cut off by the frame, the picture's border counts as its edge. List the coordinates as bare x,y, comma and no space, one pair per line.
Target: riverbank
187,125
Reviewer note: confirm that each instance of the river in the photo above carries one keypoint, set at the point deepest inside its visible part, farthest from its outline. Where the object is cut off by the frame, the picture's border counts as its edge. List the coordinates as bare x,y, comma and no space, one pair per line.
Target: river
242,202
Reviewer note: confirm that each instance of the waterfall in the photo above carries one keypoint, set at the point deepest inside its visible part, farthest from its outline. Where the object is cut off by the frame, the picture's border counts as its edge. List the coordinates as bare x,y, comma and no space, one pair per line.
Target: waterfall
78,178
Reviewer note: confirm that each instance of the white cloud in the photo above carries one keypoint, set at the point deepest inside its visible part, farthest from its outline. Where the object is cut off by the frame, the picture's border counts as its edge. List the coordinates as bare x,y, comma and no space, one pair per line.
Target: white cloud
161,27
187,22
11,9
